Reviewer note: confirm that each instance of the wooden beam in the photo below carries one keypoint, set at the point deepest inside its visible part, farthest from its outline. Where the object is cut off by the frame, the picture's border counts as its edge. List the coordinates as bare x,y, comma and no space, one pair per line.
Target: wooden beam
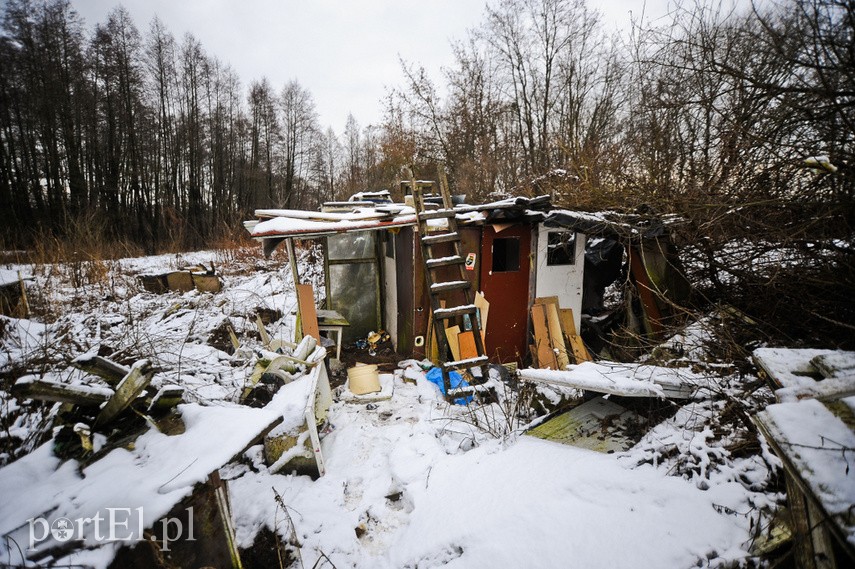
104,368
47,390
292,260
129,389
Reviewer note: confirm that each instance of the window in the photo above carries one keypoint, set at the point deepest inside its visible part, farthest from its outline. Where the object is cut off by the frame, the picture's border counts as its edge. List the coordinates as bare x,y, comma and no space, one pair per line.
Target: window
560,248
506,254
348,246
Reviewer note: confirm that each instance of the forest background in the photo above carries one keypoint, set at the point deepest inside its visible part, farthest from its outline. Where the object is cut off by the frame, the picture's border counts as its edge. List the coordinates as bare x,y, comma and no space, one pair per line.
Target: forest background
741,121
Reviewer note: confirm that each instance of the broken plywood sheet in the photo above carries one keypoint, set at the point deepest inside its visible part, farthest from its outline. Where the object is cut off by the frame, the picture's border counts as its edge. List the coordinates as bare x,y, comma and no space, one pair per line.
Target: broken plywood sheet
599,425
812,440
628,380
807,373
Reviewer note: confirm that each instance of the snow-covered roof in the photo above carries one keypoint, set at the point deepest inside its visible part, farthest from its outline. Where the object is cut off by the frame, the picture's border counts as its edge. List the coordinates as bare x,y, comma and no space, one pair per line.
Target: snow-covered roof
284,223
278,224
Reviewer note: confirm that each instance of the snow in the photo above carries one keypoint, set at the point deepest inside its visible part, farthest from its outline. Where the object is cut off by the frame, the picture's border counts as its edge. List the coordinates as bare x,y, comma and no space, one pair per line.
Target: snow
9,276
512,502
23,338
425,483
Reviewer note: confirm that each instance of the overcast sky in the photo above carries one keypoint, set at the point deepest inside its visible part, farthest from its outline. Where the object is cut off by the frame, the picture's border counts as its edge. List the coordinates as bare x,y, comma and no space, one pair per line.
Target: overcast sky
344,51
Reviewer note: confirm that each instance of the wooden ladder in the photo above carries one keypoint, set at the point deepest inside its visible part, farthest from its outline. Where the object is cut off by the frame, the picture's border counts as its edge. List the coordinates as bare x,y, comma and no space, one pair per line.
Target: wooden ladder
457,292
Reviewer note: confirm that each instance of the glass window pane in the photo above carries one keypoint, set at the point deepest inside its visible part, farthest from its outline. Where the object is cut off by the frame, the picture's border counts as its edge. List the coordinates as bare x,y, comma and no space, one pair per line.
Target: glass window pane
561,248
353,288
357,245
506,254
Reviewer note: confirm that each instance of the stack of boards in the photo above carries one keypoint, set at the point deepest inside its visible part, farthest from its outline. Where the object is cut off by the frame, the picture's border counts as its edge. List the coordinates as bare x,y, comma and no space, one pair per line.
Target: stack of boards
556,341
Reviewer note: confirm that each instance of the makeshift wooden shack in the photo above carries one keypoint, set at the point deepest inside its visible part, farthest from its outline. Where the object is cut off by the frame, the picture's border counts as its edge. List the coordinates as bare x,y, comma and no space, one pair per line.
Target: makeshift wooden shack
516,250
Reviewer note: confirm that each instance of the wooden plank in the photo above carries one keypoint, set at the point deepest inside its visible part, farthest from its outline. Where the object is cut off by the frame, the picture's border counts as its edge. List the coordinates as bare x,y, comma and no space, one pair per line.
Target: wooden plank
25,304
466,343
46,390
556,336
545,356
106,369
129,389
452,333
547,300
580,352
308,312
568,323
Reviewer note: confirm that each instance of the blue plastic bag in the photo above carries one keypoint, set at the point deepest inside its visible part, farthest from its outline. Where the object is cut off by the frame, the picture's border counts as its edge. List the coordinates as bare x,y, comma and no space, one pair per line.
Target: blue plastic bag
454,378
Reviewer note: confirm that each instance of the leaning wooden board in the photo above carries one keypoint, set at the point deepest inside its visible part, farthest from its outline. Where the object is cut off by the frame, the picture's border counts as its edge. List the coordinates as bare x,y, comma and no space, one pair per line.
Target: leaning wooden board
308,312
545,356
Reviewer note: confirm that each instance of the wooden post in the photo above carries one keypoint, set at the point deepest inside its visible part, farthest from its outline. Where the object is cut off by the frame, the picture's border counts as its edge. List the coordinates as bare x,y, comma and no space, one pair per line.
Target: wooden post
24,300
292,260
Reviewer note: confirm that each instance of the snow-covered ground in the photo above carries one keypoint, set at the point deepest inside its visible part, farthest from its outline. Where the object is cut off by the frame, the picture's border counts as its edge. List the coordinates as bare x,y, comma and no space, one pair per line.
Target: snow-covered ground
410,482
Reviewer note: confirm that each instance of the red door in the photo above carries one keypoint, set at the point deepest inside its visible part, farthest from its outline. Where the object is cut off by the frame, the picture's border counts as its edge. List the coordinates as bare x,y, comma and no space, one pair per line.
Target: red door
505,275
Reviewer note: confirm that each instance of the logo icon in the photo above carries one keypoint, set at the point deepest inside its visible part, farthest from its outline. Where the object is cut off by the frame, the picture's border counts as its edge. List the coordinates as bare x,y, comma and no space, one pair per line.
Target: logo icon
62,529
